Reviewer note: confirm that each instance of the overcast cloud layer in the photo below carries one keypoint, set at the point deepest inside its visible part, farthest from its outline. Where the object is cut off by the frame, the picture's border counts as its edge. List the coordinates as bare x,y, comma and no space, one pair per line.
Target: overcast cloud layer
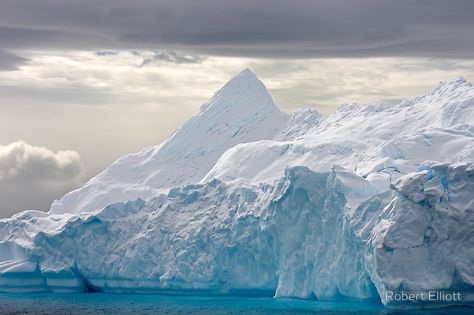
74,74
257,28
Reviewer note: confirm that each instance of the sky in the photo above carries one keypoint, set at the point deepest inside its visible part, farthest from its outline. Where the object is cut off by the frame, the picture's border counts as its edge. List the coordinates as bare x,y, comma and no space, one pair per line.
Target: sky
83,82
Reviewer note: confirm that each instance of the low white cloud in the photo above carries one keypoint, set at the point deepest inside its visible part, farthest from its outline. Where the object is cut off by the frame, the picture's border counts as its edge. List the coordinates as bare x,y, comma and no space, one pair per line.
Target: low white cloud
22,160
32,176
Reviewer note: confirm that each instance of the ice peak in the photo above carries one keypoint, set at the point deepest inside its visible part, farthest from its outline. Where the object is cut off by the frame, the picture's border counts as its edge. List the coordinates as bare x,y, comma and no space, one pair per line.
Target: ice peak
455,81
243,92
247,72
243,79
303,111
446,91
453,84
299,122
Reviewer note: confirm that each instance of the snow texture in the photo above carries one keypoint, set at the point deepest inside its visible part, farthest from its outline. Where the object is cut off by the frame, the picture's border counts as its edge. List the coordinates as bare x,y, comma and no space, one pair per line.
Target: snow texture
244,199
242,111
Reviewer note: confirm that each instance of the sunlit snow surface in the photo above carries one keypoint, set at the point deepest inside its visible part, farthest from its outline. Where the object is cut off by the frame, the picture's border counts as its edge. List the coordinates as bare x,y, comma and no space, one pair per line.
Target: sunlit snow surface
244,199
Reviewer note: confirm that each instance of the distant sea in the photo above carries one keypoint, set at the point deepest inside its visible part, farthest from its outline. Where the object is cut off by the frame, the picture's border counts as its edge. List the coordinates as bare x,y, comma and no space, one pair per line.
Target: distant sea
102,303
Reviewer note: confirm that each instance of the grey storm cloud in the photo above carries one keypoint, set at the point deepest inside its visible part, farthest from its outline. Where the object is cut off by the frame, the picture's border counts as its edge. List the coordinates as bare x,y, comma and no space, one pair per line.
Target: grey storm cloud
9,61
170,56
269,28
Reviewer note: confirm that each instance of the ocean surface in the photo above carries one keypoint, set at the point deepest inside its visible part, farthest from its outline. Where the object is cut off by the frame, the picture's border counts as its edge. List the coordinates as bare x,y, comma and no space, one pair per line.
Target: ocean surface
101,303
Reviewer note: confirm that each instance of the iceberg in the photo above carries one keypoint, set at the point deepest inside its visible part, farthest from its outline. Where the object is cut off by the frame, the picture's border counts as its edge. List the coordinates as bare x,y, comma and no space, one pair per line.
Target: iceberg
369,203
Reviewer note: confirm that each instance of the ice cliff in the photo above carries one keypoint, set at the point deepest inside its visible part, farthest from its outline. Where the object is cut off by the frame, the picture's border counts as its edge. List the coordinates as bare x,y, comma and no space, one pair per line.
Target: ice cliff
245,199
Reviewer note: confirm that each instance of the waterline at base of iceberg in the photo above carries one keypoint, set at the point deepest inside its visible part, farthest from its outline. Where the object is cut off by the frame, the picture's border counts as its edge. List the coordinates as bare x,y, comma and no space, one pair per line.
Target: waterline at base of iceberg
102,303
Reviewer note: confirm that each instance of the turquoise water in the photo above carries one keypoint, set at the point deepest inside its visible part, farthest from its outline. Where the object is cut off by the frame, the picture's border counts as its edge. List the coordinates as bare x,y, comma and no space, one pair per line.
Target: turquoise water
101,303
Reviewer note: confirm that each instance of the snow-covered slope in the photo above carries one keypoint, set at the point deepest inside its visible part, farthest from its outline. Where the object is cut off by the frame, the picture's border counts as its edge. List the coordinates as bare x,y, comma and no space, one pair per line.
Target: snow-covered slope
242,111
245,199
377,142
